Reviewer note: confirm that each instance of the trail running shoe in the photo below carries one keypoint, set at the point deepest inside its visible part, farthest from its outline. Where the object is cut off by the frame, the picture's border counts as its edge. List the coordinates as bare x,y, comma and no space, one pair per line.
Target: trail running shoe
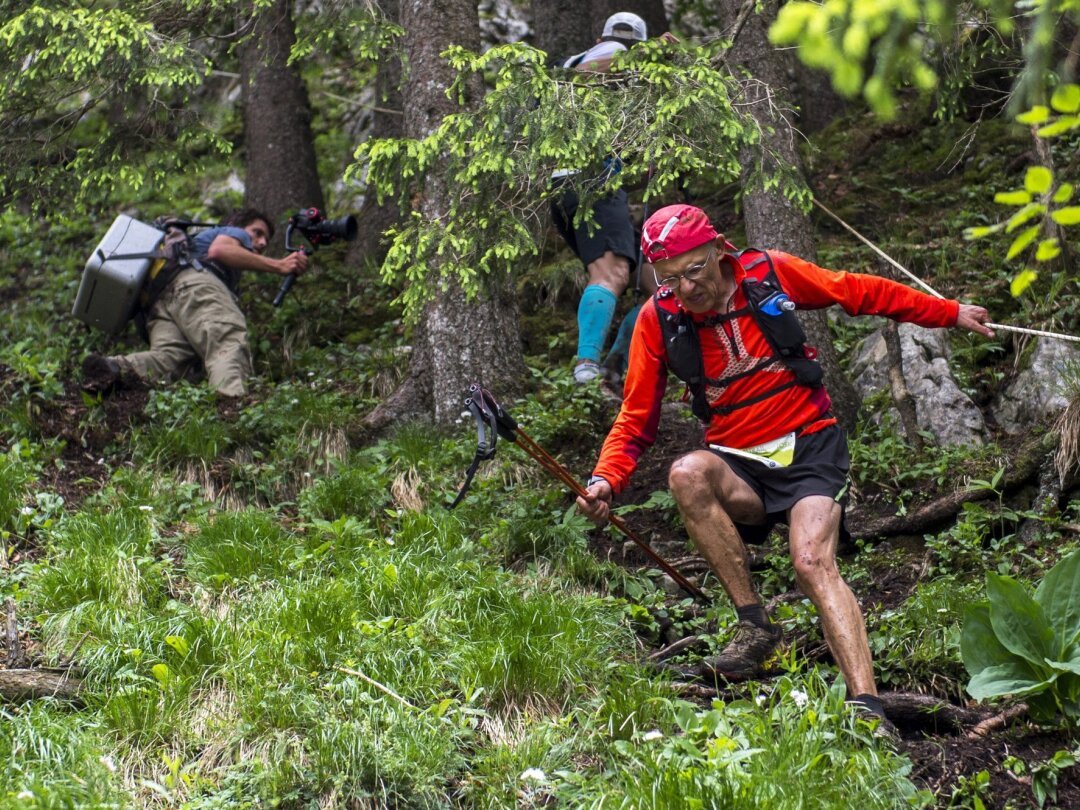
883,727
743,656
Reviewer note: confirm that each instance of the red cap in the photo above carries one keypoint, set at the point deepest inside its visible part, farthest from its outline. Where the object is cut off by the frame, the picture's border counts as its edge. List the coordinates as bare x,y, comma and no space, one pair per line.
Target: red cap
675,229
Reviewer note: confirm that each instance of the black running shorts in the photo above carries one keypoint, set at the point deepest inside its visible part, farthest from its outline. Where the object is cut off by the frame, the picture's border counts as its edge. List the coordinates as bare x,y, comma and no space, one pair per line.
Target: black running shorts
820,467
613,230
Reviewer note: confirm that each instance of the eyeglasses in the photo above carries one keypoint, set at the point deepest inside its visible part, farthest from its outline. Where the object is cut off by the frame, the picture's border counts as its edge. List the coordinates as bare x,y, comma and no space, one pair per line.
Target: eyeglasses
691,273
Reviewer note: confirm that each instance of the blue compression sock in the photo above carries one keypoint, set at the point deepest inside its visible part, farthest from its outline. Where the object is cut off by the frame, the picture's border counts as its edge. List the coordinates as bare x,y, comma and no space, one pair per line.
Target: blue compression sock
620,349
594,314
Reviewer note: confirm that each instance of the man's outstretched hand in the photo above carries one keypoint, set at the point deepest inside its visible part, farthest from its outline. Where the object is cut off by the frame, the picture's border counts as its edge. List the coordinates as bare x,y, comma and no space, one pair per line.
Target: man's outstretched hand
973,318
596,504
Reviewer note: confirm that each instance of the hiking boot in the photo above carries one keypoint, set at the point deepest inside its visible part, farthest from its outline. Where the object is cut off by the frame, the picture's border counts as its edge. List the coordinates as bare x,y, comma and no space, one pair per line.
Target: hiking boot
99,373
743,656
587,371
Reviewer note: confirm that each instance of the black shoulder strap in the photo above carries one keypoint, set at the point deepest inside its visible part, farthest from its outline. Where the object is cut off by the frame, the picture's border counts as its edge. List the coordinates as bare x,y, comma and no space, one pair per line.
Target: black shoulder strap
683,350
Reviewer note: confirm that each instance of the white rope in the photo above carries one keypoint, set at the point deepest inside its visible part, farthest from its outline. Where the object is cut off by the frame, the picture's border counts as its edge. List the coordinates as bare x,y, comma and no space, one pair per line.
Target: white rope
931,290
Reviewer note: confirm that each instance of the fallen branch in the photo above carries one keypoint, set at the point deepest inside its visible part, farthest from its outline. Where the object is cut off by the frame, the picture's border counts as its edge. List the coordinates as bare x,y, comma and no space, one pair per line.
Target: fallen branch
674,649
21,685
998,721
695,690
385,689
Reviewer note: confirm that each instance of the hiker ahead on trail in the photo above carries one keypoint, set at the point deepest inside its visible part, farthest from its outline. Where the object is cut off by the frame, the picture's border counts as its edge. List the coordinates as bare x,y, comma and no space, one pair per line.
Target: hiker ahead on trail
610,251
724,322
195,325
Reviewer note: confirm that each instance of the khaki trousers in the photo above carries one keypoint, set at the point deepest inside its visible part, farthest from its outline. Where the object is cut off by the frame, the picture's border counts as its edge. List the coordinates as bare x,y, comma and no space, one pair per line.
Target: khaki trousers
195,325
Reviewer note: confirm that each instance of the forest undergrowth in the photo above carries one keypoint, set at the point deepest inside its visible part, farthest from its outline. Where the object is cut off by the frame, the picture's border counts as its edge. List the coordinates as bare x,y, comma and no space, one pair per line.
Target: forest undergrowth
263,609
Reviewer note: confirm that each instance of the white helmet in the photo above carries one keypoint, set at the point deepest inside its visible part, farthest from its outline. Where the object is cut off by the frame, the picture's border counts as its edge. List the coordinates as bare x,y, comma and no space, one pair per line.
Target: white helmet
625,25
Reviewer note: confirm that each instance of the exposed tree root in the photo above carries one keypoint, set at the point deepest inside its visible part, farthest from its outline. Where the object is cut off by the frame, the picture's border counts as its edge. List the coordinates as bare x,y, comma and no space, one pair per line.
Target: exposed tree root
998,721
915,712
412,398
1023,469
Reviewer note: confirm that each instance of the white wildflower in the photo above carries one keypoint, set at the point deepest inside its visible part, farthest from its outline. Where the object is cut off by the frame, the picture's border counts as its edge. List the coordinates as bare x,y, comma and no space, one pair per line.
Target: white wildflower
655,734
145,508
311,373
760,700
26,511
26,794
294,402
107,761
533,774
799,697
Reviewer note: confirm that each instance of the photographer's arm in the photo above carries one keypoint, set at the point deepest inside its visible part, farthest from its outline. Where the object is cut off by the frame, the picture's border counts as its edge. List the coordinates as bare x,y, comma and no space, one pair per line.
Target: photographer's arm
227,251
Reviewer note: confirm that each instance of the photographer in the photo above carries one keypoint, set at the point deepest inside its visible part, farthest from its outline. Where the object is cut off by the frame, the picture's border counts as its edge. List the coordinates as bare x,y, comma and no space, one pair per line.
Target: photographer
196,327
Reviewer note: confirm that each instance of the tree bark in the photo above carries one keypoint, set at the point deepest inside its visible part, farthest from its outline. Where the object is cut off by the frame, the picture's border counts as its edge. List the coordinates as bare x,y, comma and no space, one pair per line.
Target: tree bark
460,341
562,28
282,175
387,122
773,221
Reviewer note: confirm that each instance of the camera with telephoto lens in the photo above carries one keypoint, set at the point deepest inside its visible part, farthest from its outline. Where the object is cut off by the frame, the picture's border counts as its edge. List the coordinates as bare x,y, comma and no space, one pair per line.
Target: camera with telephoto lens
317,230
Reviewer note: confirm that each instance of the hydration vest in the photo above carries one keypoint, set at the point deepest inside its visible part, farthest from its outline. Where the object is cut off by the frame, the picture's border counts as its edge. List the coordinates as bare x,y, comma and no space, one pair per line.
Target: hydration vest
773,312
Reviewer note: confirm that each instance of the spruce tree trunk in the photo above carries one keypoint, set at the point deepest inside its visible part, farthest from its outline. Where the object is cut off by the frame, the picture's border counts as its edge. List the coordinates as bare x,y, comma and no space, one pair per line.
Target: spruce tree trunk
281,172
772,221
387,121
562,28
459,342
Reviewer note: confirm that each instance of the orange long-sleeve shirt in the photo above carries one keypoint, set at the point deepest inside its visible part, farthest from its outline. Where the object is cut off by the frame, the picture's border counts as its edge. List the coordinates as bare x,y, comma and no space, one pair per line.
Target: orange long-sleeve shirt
737,344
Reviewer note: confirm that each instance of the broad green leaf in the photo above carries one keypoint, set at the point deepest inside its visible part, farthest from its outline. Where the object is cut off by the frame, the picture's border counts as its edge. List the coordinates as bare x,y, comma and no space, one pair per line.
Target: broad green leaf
1017,678
1066,98
1067,216
1069,666
1064,193
1018,621
1036,115
1062,125
162,673
979,646
1023,280
1038,179
178,643
1048,249
1025,238
1018,197
1059,596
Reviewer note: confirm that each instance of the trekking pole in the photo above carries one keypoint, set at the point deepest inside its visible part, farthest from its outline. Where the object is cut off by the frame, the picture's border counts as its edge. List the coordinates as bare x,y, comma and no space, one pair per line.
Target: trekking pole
492,421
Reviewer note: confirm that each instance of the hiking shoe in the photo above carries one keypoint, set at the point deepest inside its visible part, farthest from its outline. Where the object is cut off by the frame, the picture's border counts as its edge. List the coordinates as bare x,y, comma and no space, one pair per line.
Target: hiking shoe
587,371
743,656
99,373
882,727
